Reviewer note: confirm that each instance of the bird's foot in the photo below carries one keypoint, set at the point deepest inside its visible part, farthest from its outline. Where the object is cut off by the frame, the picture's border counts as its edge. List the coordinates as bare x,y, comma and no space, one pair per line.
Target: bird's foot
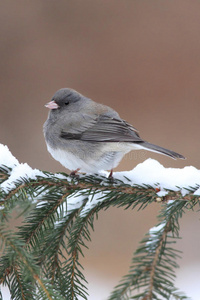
74,173
111,175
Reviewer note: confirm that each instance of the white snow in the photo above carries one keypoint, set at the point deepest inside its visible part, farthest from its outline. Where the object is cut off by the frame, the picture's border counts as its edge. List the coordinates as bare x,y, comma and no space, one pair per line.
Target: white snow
162,193
74,201
93,200
151,172
18,171
154,230
197,192
41,203
6,157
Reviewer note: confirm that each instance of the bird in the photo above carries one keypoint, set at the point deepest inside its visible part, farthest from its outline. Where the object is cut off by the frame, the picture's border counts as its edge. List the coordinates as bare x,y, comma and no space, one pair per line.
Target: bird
88,137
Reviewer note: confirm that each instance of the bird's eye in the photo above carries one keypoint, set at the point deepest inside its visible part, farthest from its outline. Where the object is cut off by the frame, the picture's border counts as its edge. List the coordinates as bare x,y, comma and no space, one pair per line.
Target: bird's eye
67,102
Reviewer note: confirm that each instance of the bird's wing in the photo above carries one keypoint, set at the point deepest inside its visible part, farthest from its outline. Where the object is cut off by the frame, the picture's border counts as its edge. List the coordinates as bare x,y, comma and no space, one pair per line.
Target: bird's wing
103,128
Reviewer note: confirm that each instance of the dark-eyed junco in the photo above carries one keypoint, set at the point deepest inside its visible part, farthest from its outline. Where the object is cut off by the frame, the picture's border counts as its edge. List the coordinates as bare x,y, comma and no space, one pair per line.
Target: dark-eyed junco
87,136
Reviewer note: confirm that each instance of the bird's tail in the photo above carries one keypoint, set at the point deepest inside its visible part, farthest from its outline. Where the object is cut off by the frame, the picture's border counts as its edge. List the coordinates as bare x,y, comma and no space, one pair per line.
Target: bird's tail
158,149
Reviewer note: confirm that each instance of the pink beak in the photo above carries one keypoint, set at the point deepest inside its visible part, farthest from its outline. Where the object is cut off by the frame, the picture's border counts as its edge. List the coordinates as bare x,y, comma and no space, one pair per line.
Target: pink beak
52,105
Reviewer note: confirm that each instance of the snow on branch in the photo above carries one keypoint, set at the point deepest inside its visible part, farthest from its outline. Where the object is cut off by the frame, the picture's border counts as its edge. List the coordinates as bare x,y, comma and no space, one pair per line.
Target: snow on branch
150,173
59,213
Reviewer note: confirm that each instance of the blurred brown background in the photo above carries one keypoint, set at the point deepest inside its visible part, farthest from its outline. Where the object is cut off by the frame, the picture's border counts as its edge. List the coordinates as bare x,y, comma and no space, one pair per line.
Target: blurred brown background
140,57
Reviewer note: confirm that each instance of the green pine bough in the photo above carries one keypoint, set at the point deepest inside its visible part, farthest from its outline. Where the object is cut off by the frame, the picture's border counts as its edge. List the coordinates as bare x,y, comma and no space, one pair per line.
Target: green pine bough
40,259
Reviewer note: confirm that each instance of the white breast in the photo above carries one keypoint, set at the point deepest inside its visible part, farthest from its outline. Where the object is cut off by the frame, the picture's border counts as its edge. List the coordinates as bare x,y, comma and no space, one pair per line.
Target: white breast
102,160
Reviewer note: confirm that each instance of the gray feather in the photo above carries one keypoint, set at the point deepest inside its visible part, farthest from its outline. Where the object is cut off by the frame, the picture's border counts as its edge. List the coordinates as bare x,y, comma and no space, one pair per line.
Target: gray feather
162,150
105,129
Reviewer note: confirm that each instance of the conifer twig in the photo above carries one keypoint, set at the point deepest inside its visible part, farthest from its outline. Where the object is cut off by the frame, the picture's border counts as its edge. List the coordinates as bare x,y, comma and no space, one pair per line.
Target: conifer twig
43,254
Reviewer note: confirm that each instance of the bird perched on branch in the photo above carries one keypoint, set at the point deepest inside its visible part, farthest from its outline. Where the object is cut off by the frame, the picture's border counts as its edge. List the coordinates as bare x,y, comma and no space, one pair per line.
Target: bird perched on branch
87,136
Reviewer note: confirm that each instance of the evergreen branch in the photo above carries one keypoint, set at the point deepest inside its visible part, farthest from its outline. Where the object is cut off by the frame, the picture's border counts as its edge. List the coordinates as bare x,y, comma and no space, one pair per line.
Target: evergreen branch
44,217
18,279
101,183
22,257
54,246
152,263
156,260
72,273
4,173
22,272
56,229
